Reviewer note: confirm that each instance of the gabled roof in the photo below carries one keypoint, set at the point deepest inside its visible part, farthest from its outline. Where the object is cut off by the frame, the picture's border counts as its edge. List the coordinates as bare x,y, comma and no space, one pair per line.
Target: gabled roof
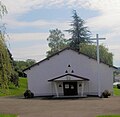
67,48
76,76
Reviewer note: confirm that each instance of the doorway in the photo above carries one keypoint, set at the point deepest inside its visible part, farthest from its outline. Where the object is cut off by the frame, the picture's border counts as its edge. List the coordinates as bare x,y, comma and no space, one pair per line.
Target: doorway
70,88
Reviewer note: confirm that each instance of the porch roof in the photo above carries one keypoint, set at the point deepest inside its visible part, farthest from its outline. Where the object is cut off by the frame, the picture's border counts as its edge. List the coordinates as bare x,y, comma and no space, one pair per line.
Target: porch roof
80,78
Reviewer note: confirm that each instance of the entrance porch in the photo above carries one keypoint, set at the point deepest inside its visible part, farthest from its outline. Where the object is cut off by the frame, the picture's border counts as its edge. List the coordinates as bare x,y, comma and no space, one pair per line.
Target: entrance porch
69,85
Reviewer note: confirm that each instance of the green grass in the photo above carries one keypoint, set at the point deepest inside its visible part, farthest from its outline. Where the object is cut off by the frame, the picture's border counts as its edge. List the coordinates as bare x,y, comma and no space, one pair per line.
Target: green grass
109,116
18,91
116,91
7,115
15,91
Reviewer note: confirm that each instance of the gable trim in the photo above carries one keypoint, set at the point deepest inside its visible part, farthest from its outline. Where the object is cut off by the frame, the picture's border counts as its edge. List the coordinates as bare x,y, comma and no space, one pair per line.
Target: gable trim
57,53
76,76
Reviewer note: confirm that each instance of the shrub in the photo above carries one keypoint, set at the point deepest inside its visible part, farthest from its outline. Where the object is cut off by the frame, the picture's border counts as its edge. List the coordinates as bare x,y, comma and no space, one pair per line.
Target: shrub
105,94
28,94
118,86
14,79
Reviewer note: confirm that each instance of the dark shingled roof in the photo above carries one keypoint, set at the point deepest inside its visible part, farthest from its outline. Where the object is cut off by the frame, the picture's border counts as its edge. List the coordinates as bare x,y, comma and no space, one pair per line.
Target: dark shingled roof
57,53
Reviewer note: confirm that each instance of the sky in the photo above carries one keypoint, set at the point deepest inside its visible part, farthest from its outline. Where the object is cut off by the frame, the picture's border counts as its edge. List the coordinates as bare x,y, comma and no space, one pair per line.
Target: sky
28,23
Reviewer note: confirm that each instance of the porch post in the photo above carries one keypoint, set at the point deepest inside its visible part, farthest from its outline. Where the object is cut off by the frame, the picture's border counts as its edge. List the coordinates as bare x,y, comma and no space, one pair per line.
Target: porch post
78,88
56,89
82,90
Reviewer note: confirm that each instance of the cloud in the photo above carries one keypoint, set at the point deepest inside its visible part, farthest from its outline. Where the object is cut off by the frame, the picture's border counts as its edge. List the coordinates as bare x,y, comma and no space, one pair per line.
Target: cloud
36,45
13,24
105,23
20,37
36,52
19,7
35,49
107,6
109,9
110,14
113,43
23,6
28,45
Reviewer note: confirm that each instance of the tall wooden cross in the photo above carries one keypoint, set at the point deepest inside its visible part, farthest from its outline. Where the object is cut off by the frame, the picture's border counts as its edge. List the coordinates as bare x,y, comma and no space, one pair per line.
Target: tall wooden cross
98,61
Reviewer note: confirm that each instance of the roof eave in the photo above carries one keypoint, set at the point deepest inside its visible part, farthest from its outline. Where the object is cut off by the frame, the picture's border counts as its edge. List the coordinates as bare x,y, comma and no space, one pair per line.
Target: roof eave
57,53
79,77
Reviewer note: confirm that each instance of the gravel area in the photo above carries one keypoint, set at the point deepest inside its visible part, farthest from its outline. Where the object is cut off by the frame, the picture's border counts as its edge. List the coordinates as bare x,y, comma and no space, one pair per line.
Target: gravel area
82,107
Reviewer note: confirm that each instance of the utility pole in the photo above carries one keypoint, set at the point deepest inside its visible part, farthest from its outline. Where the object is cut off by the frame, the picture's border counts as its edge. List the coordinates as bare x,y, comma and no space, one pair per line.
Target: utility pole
98,62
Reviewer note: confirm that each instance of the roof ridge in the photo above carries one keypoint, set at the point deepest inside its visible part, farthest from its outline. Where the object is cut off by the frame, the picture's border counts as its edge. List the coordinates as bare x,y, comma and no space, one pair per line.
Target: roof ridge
67,48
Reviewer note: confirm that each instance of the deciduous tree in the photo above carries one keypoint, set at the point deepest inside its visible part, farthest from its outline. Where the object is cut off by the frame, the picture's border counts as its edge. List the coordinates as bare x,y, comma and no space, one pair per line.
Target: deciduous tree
56,41
90,50
21,65
6,68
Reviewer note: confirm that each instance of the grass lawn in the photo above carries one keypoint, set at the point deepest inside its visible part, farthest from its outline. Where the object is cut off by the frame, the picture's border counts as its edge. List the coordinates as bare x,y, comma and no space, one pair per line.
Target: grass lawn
15,91
109,116
18,91
116,91
7,115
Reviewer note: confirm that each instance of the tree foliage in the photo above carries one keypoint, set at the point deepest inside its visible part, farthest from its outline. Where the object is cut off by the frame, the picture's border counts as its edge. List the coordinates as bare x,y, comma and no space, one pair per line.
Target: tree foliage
90,50
3,10
79,32
5,65
21,65
56,41
7,73
79,41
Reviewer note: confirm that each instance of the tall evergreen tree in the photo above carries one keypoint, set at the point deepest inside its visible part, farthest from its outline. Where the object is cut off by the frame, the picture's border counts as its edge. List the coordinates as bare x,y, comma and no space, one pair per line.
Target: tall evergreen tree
79,32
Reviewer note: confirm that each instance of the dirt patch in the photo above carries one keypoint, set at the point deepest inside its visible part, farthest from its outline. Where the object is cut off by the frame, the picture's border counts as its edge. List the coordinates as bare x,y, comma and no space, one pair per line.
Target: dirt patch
83,107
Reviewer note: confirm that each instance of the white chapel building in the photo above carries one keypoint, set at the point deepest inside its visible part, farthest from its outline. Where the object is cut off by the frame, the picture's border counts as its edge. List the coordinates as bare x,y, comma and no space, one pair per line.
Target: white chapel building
69,73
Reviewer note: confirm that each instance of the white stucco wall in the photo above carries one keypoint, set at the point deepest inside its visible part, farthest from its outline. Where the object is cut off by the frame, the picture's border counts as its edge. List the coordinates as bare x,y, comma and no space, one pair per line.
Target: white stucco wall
39,75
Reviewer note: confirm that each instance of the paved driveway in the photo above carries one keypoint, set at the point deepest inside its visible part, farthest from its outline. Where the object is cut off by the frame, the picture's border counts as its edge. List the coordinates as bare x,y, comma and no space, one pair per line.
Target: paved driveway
86,107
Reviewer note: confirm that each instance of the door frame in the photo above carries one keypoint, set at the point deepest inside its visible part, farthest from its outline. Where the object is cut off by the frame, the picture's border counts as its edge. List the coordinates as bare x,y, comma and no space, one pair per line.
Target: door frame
68,91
